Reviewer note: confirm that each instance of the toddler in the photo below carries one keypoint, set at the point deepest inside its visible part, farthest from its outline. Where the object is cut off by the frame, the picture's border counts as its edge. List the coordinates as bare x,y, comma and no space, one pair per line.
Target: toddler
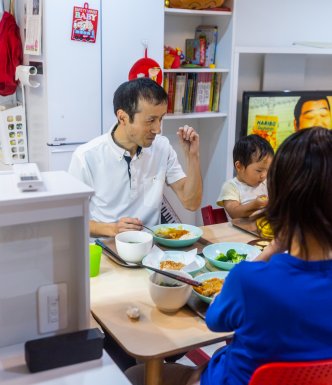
247,192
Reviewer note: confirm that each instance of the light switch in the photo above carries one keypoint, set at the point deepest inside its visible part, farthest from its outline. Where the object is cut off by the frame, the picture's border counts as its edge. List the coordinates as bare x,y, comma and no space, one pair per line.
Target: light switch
52,307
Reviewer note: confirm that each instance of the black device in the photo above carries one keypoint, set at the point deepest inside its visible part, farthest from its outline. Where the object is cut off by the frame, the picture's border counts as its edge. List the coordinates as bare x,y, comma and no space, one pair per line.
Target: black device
64,349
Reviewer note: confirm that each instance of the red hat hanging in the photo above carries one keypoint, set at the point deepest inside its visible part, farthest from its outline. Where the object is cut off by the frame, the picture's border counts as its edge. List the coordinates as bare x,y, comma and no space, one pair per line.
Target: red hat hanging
146,68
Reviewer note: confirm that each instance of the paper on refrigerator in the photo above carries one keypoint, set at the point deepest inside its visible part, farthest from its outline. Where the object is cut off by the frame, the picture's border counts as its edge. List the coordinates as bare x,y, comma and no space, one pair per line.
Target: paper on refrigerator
33,13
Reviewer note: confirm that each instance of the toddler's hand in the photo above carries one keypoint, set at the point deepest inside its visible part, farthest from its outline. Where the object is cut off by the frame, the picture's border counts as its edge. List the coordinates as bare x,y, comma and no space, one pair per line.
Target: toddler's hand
262,200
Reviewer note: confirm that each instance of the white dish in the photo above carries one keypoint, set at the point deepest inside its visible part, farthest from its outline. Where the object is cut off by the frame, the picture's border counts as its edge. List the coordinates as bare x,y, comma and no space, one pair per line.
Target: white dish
132,246
193,263
166,296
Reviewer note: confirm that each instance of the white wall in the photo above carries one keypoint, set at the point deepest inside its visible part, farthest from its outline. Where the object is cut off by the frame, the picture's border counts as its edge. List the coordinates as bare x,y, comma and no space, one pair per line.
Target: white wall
282,22
125,24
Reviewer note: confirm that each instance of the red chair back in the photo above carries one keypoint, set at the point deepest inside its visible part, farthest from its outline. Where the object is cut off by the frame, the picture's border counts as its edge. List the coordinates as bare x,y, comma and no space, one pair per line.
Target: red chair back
212,216
294,373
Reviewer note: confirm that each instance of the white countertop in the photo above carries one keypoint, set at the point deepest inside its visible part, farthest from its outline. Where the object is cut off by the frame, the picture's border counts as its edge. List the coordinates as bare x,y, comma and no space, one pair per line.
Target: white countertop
13,371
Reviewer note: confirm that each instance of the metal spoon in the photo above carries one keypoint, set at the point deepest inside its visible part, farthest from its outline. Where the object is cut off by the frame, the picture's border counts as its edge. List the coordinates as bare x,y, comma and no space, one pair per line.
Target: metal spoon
157,235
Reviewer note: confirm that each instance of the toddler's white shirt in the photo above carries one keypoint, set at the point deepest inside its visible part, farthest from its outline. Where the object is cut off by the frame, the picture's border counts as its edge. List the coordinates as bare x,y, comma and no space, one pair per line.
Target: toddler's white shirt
235,190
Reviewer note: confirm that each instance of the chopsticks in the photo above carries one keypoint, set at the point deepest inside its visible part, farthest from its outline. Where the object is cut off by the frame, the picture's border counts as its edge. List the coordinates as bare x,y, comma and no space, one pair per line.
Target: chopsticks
177,277
188,281
110,251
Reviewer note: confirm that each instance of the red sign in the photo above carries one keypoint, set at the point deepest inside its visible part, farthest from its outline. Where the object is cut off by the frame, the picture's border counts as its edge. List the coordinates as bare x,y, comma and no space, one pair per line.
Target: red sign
85,23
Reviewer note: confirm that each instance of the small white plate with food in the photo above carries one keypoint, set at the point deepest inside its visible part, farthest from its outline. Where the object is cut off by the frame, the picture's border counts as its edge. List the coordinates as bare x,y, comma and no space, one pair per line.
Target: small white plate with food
187,261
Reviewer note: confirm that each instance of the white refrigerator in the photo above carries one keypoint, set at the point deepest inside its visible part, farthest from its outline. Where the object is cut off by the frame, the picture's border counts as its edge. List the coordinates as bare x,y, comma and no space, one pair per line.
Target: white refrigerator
65,110
74,101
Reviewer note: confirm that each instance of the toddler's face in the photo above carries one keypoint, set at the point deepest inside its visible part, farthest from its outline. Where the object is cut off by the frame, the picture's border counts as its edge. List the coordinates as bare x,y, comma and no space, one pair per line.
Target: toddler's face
255,173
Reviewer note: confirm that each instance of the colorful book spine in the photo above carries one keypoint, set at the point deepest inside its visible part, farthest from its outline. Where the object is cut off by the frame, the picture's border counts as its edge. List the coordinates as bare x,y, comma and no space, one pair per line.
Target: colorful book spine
180,86
216,92
203,93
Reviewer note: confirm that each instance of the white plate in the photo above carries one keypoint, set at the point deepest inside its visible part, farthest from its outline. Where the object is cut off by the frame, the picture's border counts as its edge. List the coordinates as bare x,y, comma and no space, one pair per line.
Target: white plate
178,256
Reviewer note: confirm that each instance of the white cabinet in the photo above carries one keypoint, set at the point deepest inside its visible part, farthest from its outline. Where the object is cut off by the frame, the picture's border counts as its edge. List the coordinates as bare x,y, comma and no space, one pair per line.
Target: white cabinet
43,241
213,127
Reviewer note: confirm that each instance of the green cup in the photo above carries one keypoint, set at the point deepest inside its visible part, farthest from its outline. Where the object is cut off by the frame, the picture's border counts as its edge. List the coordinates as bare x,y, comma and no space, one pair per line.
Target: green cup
95,256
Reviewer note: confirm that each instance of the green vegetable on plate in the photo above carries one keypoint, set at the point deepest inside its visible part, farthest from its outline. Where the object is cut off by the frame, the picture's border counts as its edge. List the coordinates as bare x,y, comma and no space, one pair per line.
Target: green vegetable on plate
231,256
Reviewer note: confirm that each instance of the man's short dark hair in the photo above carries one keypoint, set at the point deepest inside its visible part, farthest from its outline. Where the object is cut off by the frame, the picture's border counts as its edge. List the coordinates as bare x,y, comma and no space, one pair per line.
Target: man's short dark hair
251,148
128,95
304,99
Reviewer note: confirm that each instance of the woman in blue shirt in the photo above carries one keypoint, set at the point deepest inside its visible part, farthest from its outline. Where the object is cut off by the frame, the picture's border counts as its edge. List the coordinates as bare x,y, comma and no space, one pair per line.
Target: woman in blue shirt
280,309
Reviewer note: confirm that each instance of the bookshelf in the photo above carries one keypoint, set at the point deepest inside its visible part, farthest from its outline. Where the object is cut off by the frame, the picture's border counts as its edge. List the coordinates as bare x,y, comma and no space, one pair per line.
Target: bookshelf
179,25
212,126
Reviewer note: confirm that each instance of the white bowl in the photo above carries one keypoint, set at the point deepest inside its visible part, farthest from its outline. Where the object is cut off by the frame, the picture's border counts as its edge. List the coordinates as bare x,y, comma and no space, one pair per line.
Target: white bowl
133,246
169,298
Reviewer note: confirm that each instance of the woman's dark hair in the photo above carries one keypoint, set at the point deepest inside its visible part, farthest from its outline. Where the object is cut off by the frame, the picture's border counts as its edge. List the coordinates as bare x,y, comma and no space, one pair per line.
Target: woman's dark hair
251,148
128,95
300,189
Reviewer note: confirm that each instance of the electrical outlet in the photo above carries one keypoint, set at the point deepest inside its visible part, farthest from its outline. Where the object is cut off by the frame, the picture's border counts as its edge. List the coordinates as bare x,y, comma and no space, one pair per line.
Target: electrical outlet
52,307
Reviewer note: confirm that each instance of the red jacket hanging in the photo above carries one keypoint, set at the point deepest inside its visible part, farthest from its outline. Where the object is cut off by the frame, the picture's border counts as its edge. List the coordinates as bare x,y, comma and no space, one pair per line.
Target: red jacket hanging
11,54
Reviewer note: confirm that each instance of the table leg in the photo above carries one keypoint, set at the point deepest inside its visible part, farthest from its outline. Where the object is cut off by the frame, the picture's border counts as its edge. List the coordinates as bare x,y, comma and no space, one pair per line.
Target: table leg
153,371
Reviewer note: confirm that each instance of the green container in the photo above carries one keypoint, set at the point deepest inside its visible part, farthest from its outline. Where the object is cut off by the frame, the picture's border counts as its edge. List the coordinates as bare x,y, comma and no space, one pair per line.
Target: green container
95,256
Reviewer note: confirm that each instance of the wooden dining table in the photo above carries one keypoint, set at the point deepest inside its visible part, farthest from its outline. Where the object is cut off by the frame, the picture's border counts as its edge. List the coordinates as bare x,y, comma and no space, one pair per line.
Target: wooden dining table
155,335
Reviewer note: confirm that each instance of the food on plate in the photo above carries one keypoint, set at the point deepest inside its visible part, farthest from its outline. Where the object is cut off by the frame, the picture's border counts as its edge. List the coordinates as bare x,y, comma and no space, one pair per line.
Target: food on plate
171,265
264,228
231,256
261,244
210,287
173,233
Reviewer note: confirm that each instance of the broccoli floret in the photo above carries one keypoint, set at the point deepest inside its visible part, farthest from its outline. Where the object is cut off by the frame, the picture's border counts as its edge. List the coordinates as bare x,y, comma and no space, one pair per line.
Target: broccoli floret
231,253
238,258
231,256
222,257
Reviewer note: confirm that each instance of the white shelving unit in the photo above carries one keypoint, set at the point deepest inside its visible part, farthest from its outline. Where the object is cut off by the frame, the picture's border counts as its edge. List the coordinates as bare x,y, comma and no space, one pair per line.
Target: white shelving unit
195,70
271,58
195,115
213,127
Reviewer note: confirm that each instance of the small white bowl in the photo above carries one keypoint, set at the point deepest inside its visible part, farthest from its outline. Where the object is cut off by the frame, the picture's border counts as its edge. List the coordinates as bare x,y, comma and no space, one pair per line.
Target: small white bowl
133,246
169,298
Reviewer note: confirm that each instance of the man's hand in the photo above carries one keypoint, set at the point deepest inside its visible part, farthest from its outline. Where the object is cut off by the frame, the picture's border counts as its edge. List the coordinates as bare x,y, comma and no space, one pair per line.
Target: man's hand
101,229
189,140
127,224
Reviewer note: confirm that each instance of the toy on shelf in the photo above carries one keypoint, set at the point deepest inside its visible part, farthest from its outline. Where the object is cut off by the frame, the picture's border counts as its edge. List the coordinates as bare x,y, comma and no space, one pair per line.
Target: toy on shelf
172,57
194,4
146,67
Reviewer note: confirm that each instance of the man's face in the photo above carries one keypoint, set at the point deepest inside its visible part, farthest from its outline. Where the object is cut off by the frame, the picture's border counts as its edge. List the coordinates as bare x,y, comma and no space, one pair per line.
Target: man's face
315,113
147,123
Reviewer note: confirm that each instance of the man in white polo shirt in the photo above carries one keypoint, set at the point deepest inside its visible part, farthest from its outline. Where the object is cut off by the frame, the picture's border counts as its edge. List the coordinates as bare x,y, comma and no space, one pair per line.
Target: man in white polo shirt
128,166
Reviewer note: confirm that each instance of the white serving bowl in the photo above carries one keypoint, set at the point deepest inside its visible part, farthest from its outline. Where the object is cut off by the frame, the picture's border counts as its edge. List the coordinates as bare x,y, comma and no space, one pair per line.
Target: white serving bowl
169,298
133,246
